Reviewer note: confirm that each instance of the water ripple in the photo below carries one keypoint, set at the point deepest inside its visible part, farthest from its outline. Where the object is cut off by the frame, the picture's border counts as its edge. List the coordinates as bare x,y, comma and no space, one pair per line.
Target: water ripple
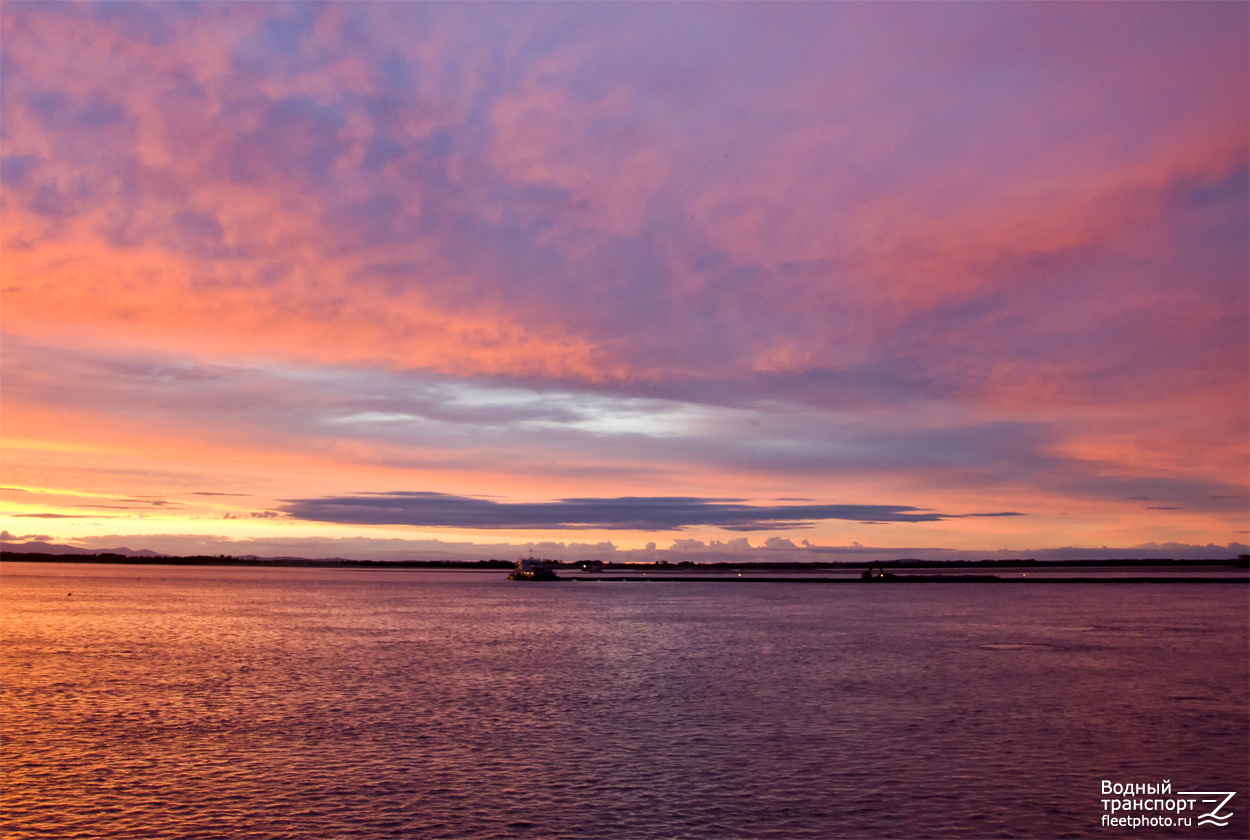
253,704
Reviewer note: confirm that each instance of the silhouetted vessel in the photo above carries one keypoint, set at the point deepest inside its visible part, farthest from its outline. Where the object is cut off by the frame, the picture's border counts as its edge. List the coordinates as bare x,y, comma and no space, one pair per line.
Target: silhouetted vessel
530,568
875,572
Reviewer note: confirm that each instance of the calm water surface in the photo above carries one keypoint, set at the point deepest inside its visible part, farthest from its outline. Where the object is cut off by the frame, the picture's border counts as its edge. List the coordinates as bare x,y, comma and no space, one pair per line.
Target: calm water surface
163,702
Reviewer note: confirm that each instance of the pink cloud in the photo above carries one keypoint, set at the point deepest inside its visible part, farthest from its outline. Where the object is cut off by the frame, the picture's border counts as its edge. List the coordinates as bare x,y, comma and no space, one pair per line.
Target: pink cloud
965,212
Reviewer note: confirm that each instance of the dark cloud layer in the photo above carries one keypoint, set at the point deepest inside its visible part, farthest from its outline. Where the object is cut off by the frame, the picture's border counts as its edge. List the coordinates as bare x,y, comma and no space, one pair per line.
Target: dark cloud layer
656,513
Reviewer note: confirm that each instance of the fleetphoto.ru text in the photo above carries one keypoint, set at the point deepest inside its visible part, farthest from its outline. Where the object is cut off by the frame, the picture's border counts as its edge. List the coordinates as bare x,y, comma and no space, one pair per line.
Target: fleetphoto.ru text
1155,804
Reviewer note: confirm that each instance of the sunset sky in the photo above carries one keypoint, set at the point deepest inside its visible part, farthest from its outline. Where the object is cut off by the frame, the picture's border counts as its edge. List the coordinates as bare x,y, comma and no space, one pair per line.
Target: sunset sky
332,279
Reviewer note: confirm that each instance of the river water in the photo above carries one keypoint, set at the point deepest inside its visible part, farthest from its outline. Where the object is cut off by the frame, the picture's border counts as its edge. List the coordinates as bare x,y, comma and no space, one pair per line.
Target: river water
170,702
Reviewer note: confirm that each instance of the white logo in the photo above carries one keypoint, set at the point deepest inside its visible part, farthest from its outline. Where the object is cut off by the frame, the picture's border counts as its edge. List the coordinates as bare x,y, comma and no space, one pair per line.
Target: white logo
1152,804
1212,817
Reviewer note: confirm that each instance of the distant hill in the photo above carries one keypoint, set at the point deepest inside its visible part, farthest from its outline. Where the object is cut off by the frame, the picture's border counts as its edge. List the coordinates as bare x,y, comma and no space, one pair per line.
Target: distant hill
53,548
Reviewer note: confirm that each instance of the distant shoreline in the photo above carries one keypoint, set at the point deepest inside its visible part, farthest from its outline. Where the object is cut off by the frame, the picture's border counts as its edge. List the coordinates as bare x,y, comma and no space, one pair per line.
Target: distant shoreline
893,579
691,571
